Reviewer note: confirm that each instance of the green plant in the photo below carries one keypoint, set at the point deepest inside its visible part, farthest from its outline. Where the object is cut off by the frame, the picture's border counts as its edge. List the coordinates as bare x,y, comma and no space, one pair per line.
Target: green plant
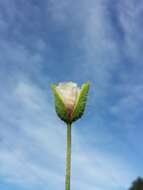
70,102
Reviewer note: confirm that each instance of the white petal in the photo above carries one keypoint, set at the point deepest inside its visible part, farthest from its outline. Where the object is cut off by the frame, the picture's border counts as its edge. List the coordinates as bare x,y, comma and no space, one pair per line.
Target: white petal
69,92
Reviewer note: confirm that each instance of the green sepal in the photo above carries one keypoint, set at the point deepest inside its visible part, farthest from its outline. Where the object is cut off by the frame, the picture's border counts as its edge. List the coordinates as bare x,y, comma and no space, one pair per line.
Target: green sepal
81,103
59,105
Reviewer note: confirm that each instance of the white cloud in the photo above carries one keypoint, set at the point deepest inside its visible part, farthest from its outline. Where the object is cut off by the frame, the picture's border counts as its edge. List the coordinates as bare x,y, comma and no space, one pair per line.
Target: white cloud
33,150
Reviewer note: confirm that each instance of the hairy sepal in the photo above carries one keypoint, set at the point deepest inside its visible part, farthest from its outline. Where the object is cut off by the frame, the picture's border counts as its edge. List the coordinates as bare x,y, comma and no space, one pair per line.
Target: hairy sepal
59,105
81,103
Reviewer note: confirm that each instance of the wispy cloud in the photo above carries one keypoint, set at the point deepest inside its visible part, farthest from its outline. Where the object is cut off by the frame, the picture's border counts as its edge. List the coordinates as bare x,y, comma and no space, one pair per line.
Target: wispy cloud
33,146
98,41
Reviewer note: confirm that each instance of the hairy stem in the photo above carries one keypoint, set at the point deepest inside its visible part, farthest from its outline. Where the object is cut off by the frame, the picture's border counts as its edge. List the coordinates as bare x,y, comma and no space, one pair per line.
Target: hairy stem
68,158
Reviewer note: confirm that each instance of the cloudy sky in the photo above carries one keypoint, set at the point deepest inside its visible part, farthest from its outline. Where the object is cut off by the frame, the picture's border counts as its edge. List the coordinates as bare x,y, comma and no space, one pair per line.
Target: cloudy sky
48,41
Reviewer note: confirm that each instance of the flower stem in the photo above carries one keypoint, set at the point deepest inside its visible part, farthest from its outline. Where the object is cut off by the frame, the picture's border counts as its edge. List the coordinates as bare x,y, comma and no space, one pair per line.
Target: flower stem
68,158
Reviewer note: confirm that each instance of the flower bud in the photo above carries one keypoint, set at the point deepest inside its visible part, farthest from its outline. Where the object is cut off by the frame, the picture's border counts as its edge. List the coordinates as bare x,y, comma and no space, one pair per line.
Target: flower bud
70,100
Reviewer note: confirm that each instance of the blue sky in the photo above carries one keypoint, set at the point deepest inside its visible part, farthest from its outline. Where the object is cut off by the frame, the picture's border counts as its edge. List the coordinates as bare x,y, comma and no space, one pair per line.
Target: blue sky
49,41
